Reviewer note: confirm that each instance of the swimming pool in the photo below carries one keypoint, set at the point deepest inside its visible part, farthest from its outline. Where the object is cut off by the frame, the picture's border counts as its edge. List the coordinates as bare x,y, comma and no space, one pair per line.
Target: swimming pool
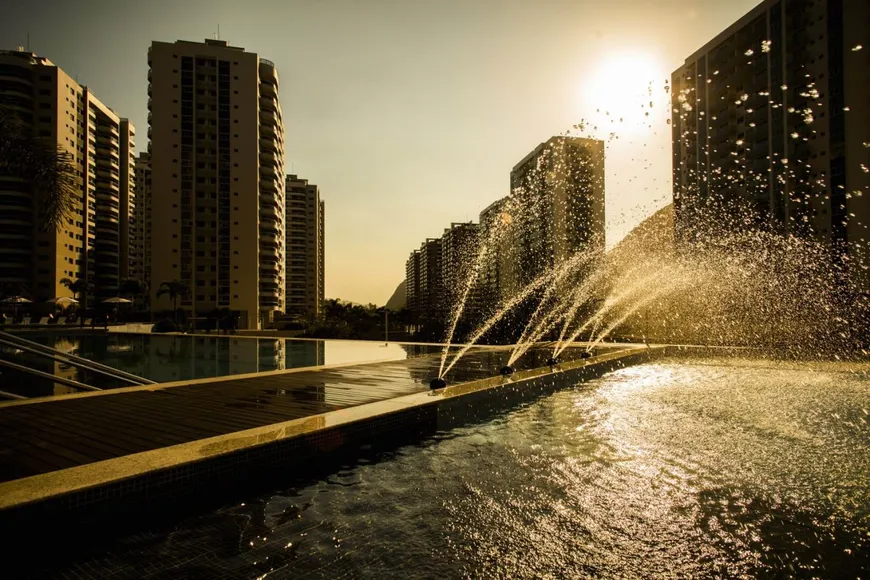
683,467
165,358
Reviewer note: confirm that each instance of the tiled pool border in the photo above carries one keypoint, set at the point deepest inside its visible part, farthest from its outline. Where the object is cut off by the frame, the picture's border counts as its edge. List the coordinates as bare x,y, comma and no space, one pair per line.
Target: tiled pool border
164,479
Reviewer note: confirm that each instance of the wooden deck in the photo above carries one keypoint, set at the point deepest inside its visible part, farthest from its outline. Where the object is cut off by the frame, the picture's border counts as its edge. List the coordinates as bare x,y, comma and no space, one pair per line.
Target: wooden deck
43,436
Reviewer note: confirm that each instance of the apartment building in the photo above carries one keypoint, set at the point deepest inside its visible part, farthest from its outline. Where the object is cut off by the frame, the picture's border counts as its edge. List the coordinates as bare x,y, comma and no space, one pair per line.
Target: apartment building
217,171
93,244
769,118
305,221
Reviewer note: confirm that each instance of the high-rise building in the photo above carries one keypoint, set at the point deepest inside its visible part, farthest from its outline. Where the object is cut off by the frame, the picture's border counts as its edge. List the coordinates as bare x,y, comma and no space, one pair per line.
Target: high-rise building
557,191
769,115
305,276
412,285
431,299
140,240
496,217
217,171
93,244
459,246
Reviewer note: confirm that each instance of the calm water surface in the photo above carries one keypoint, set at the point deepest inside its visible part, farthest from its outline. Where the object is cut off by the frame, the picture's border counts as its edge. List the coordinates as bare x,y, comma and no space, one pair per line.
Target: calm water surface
165,358
682,468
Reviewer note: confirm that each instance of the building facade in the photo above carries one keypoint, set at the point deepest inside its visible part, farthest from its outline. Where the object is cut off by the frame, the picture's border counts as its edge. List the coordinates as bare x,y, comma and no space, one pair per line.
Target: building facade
495,221
217,170
305,275
93,244
140,240
412,286
431,295
459,247
557,192
769,117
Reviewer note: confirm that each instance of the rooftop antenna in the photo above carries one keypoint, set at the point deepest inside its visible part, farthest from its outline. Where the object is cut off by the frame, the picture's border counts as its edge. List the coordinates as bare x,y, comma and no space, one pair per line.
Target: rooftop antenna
219,31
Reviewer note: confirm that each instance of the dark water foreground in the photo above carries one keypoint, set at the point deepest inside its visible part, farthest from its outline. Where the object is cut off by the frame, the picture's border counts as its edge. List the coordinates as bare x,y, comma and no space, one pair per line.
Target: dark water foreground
683,467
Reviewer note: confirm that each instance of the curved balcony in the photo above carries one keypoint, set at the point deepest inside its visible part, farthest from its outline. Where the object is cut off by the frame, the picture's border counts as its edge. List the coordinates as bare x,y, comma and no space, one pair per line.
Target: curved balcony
268,90
269,145
269,185
269,104
270,200
269,156
267,131
270,239
269,118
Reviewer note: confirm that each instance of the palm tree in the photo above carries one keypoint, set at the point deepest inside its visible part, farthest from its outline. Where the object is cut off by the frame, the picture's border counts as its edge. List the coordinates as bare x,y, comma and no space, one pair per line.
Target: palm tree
133,288
175,289
44,166
77,286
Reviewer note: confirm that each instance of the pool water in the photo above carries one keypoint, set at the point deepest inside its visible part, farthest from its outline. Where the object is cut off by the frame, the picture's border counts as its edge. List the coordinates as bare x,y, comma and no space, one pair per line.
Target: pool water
164,358
684,467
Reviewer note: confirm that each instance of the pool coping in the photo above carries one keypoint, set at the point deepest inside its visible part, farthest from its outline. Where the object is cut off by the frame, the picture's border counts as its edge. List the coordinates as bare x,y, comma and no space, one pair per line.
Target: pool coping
84,485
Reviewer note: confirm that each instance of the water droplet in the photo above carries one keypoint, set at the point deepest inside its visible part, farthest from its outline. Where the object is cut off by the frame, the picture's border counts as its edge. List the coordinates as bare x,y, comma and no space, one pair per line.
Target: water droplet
857,47
765,45
749,52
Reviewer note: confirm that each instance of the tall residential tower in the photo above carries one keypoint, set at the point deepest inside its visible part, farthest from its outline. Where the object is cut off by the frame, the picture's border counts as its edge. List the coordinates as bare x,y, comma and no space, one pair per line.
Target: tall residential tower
93,244
217,173
771,114
558,193
305,276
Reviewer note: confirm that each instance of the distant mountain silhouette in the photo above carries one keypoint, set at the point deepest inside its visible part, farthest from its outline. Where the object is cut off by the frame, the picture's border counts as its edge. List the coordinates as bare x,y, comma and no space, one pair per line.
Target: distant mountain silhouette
398,300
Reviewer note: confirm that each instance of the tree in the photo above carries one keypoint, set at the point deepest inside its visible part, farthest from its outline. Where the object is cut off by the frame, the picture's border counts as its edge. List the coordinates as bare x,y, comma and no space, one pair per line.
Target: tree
77,287
130,287
175,290
44,166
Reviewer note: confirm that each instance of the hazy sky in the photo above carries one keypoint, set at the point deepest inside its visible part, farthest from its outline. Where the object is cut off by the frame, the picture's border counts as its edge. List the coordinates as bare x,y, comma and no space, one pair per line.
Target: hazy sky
410,114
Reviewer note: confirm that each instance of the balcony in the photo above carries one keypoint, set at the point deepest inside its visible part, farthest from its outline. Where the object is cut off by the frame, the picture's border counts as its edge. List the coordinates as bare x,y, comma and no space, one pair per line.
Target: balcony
268,144
267,90
269,118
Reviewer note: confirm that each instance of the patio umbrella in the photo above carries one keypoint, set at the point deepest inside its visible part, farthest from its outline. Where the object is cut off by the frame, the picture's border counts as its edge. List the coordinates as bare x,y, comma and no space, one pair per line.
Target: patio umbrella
15,301
116,300
63,300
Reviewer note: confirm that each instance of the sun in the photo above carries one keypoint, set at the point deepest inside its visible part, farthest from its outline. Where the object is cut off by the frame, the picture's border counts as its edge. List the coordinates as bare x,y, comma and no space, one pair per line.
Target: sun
625,93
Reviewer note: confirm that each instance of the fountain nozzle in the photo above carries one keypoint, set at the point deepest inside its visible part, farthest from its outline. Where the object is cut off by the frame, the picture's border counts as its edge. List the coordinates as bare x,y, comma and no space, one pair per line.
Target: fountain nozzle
552,361
437,383
507,370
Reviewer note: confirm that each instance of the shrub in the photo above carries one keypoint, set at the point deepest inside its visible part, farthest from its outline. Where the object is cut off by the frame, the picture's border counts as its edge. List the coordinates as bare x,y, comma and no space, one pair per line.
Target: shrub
165,325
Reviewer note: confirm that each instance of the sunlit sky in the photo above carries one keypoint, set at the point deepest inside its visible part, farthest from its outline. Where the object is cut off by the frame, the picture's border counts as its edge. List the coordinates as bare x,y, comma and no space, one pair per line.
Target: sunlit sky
409,114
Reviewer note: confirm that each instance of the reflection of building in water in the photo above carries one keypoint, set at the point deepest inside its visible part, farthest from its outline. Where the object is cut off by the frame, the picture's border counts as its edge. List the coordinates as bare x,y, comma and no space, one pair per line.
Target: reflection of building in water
303,353
176,358
63,370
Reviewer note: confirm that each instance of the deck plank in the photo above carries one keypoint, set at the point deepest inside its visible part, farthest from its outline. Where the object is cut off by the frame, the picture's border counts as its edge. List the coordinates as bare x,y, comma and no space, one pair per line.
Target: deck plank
38,437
